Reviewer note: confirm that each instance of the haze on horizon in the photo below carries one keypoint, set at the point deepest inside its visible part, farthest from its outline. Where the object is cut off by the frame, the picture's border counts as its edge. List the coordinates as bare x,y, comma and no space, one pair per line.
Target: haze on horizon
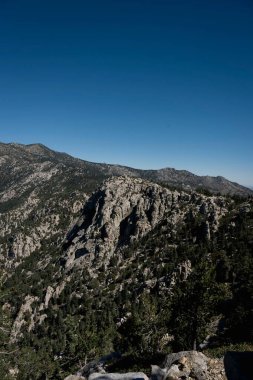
152,84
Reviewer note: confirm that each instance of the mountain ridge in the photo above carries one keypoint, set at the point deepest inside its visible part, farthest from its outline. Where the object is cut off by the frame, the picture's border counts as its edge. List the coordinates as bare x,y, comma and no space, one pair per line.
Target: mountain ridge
170,176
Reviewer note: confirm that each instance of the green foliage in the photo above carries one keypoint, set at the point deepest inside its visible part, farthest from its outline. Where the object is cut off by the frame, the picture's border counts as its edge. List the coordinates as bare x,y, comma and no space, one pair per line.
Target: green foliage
194,303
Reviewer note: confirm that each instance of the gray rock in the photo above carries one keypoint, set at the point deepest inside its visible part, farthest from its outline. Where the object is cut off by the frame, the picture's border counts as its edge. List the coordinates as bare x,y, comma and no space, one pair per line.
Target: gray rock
186,363
123,210
157,373
175,373
97,366
118,376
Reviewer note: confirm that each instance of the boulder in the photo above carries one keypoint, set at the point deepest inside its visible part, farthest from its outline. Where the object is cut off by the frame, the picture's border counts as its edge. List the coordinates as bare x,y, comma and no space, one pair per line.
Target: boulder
118,376
97,365
192,365
189,361
157,373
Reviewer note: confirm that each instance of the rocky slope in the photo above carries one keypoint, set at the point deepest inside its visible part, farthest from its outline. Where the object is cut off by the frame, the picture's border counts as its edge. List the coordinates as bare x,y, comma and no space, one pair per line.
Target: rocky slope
125,209
134,244
134,266
41,192
24,167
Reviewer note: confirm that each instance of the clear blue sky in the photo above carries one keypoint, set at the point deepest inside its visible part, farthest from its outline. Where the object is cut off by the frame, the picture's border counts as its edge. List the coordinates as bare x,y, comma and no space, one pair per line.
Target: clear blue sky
146,83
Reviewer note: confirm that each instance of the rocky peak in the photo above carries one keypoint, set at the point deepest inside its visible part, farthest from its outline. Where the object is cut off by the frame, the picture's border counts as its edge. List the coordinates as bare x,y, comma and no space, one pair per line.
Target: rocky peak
123,210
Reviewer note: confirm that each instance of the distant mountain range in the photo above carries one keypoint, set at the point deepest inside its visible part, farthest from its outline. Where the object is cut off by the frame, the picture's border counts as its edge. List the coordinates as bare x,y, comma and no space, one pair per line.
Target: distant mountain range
24,166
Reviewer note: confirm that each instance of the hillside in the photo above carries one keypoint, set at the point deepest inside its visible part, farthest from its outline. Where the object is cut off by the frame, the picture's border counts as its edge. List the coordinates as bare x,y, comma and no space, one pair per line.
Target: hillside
142,270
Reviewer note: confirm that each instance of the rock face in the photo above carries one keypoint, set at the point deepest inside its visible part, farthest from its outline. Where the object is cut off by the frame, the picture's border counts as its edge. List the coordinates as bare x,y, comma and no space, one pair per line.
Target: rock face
32,224
125,209
20,320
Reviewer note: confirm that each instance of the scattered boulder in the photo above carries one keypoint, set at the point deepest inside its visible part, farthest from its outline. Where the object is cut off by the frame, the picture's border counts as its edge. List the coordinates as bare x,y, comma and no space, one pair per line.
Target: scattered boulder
184,365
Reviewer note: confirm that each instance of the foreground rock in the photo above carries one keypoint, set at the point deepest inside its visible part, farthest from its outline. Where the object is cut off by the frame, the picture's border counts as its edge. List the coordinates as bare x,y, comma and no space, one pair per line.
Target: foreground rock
110,376
189,365
184,365
118,376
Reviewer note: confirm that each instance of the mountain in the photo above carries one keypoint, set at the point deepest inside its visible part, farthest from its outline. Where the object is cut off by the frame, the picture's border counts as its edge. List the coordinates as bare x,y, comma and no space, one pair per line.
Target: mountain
140,269
42,192
24,166
96,259
124,210
187,180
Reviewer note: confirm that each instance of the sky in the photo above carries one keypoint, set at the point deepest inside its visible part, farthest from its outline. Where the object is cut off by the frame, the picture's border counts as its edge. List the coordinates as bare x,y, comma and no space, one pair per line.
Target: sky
143,83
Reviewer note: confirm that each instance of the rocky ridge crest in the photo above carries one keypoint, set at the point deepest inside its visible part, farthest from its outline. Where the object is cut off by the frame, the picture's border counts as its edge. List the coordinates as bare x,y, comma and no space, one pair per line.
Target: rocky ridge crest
124,209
